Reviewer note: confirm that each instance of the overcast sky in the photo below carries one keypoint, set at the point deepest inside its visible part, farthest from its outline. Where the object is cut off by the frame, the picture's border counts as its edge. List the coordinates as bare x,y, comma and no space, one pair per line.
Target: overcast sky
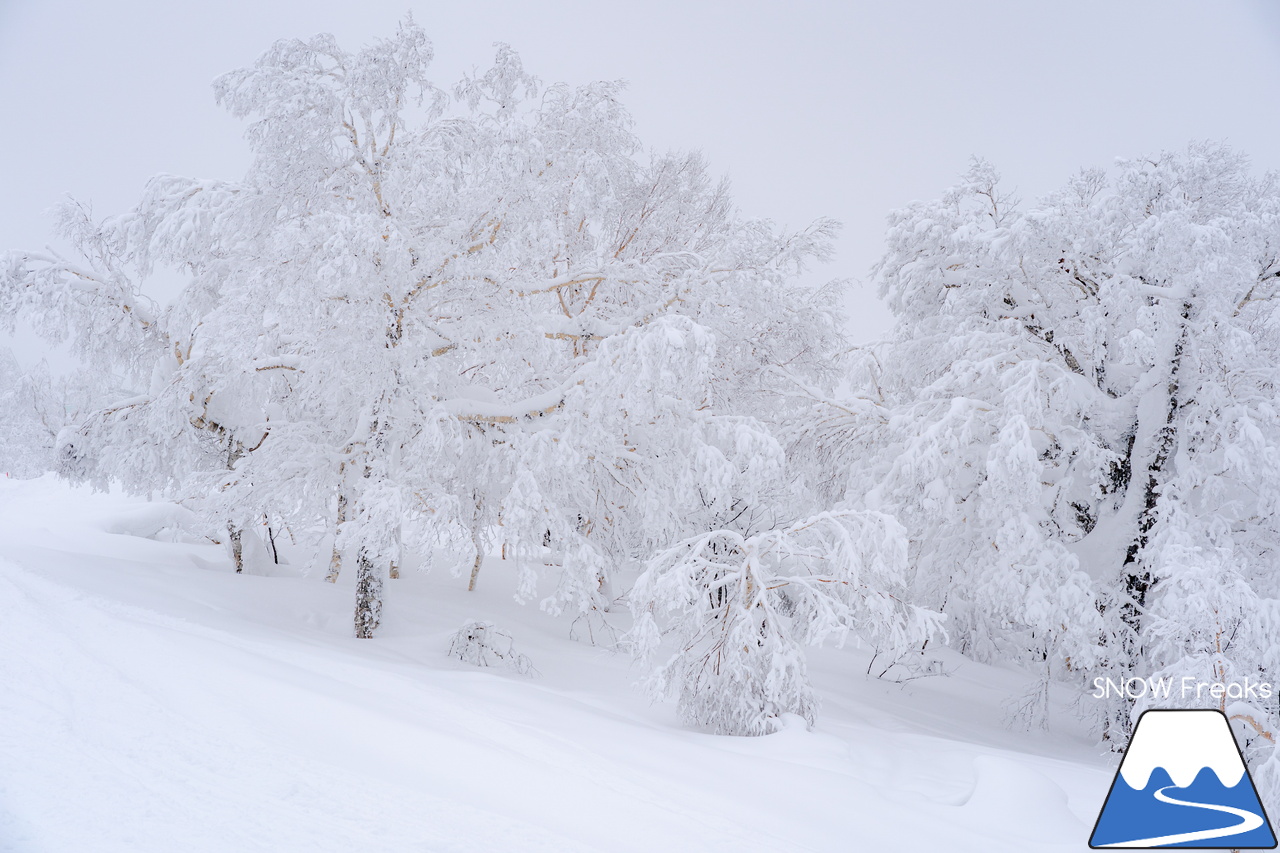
842,109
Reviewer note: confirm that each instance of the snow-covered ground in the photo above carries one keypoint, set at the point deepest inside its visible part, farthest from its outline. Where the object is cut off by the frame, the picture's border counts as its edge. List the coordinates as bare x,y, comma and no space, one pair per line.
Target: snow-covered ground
152,700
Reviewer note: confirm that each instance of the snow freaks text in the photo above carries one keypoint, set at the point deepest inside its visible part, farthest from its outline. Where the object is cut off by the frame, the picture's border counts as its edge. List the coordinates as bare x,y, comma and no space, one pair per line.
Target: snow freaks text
1187,687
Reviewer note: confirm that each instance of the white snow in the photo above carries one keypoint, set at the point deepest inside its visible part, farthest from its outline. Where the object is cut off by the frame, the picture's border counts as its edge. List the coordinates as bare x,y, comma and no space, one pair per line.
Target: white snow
152,700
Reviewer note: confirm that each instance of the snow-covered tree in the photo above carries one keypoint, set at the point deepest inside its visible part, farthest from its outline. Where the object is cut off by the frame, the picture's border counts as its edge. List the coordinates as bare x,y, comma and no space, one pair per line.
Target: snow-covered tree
1075,418
36,404
26,437
741,607
484,319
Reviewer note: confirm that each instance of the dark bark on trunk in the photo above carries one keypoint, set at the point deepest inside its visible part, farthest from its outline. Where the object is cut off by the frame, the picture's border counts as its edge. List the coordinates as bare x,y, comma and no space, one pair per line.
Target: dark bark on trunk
1137,575
271,537
368,595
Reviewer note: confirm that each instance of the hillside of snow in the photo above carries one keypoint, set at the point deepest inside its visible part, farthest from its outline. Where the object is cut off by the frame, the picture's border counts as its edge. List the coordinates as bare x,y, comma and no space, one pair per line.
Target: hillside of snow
153,700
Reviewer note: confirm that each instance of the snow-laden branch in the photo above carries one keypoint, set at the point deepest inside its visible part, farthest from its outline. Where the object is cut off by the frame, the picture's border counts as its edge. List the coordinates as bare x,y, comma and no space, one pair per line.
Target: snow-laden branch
484,411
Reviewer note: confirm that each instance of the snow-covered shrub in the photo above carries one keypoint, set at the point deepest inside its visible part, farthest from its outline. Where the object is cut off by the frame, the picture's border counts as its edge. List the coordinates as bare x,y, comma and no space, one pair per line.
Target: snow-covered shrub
737,610
481,644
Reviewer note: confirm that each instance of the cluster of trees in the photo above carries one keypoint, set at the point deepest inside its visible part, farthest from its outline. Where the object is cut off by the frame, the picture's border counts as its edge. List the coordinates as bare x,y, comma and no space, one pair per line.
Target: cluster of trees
1076,420
35,404
485,318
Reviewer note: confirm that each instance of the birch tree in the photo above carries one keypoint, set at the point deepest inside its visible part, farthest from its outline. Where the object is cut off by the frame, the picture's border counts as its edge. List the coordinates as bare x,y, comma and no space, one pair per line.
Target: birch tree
477,316
1075,418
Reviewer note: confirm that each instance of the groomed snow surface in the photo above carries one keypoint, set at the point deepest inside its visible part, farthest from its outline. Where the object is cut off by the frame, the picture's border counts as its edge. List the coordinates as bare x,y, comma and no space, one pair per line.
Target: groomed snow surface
152,700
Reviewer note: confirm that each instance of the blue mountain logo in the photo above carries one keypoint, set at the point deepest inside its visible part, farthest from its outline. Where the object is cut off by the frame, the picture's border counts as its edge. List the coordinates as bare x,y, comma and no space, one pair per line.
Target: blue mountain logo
1183,783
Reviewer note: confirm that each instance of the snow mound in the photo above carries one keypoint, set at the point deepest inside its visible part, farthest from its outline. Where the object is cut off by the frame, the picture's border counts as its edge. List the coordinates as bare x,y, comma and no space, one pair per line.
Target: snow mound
149,521
1008,793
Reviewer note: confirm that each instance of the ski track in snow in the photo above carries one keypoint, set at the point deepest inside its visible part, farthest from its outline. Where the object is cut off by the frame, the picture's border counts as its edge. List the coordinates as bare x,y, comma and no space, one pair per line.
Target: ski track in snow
151,704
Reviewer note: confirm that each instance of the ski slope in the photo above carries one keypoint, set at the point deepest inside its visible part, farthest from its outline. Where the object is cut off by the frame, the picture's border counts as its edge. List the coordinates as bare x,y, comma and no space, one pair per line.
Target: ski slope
152,700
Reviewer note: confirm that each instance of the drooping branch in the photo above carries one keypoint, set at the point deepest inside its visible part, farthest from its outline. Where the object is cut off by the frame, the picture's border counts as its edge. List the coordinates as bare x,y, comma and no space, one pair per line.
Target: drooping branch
76,279
483,412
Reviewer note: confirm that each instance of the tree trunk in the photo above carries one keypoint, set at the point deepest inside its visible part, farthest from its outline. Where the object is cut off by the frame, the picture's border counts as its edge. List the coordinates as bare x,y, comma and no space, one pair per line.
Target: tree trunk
335,561
368,595
475,567
1144,471
237,547
395,564
1137,573
271,537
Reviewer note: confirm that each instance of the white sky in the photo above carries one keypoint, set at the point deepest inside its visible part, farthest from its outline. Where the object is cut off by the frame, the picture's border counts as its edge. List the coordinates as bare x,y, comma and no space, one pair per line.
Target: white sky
839,109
